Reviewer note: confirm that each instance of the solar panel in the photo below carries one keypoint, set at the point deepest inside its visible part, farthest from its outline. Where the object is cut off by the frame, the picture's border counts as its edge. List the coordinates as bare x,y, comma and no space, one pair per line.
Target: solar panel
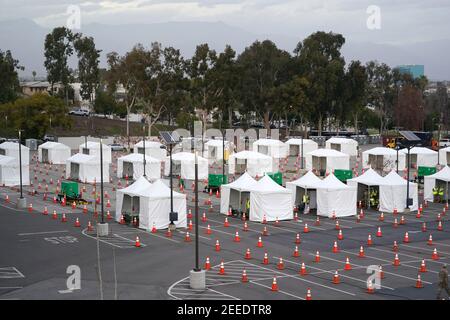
410,136
170,137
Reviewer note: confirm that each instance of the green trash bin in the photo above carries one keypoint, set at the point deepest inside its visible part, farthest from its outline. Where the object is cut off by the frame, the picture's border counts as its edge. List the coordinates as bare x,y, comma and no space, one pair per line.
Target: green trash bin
426,171
70,189
276,176
343,175
216,180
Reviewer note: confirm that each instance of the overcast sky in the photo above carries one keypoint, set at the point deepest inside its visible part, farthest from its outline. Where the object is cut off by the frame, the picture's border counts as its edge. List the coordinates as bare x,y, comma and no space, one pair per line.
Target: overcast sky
402,21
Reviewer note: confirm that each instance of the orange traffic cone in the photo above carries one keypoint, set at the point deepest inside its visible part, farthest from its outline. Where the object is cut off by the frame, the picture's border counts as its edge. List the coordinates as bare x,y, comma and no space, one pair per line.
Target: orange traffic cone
280,265
395,223
244,276
335,247
274,284
347,264
236,237
137,243
63,219
430,240
189,215
122,219
305,228
207,264
395,247
381,272
297,238
317,258
440,228
402,220
89,227
187,238
337,226
7,199
381,218
369,240
424,227
259,244
208,230
265,232
226,223
248,255
84,209
30,208
217,248
204,217
361,252
396,260
168,233
406,238
308,294
264,221
303,271
222,268
77,223
336,278
296,253
154,228
340,235
245,226
45,213
370,288
54,215
317,223
379,234
189,225
108,215
395,211
423,267
435,255
265,258
419,282
74,205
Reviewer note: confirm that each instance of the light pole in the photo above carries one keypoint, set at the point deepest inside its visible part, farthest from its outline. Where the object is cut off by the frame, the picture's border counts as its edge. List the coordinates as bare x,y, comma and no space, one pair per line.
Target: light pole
301,153
143,139
21,202
197,276
102,227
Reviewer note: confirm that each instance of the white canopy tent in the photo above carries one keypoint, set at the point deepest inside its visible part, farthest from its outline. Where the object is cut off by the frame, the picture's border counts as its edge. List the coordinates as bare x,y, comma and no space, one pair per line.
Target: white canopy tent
422,157
444,156
269,199
295,146
235,194
345,145
11,149
53,152
152,149
254,163
92,148
369,179
10,172
214,150
183,163
133,166
271,147
152,202
441,178
305,184
335,197
393,193
86,168
383,159
327,160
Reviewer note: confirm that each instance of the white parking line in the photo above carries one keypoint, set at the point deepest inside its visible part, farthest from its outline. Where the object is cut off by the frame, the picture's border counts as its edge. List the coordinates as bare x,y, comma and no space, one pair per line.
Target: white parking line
44,232
280,291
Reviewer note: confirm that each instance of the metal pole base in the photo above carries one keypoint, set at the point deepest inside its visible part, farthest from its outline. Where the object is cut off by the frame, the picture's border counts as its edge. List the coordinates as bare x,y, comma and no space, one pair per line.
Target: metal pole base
172,226
21,203
103,229
197,279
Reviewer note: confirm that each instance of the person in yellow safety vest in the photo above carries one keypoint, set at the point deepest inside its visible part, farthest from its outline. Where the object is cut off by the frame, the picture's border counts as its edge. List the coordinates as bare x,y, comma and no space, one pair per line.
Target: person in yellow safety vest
441,194
247,206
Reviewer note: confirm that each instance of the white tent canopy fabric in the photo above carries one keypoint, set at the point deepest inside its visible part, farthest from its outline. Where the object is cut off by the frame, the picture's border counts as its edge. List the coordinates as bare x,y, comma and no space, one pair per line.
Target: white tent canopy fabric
133,166
370,178
184,163
309,182
295,146
92,148
444,156
152,149
393,193
214,149
270,200
10,172
255,163
430,182
11,149
335,197
271,147
86,168
231,193
345,145
422,157
53,152
327,159
153,204
384,159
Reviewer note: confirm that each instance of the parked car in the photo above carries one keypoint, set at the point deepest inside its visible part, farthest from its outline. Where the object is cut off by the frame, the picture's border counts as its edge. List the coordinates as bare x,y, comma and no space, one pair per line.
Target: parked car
443,143
79,112
116,147
49,137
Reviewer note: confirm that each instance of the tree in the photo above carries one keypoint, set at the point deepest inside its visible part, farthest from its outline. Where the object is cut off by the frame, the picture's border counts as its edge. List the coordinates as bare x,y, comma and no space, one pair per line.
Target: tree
58,48
34,75
263,67
104,103
32,114
9,79
409,109
319,60
88,61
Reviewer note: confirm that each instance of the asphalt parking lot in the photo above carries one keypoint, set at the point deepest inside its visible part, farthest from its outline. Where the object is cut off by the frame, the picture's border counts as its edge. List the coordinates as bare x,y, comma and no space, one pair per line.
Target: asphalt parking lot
36,251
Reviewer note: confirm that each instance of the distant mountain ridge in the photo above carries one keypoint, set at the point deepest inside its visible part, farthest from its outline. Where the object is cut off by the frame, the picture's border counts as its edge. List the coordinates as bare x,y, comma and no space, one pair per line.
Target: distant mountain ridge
25,39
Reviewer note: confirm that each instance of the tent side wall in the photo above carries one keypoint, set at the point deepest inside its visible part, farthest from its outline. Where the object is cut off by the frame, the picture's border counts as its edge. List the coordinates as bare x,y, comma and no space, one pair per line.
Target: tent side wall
341,202
157,211
272,206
